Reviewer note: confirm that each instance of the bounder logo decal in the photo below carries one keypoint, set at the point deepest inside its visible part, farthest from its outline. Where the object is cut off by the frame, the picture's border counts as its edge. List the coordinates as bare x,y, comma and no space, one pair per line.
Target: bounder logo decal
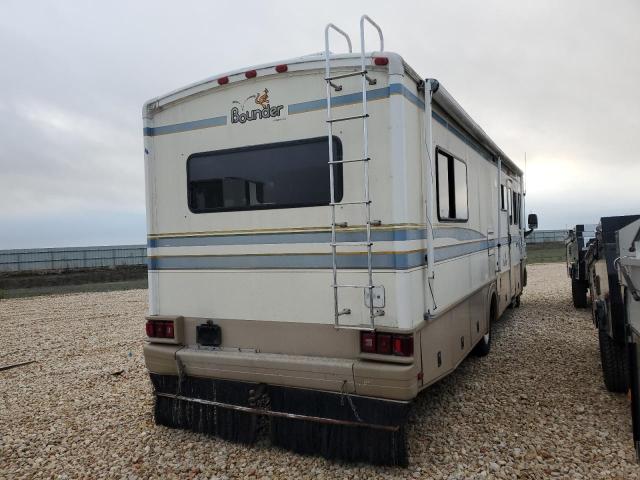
266,110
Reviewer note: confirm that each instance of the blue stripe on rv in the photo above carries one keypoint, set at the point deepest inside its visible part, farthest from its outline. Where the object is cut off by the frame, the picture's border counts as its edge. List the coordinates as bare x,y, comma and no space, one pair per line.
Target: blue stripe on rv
393,261
186,126
461,234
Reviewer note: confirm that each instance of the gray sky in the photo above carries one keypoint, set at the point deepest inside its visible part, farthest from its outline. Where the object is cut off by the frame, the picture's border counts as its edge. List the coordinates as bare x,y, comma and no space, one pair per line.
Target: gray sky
557,79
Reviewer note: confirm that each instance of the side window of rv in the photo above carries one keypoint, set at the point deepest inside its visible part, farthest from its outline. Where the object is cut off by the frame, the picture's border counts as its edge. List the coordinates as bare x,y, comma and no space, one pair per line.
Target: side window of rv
278,175
451,184
503,198
519,210
514,216
509,204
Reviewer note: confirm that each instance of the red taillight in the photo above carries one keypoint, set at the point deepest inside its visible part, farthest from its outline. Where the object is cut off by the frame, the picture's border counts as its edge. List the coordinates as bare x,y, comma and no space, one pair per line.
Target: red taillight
250,74
386,344
383,344
281,68
368,342
160,329
403,345
381,61
223,80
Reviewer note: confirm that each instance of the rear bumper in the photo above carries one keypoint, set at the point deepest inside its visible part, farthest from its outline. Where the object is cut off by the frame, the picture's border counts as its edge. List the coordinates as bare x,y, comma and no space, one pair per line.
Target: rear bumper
339,375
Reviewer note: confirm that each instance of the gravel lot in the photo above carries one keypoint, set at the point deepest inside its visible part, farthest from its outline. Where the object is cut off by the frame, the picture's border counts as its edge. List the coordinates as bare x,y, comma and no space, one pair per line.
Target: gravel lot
535,407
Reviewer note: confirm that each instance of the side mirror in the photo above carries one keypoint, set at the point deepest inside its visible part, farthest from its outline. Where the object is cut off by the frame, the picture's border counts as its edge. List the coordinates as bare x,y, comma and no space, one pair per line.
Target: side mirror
532,220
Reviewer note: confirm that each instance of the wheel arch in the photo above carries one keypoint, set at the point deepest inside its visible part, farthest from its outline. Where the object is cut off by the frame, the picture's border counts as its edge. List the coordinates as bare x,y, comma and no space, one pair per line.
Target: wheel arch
492,302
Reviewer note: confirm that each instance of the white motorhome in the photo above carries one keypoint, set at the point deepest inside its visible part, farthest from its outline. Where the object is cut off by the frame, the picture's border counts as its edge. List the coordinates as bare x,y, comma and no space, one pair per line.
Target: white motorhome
327,237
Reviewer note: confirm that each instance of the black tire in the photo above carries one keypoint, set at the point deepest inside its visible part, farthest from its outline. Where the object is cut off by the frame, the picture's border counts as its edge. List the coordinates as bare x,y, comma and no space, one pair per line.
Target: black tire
614,363
517,301
483,347
579,293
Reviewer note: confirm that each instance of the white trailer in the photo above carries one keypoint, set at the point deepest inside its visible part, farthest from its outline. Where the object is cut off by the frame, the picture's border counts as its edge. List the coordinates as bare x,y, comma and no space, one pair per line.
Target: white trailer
327,236
628,267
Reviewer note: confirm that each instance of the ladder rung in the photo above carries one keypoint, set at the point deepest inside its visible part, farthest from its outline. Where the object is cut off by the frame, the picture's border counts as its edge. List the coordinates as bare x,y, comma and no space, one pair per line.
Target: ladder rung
351,244
343,119
362,328
337,204
346,75
337,162
347,285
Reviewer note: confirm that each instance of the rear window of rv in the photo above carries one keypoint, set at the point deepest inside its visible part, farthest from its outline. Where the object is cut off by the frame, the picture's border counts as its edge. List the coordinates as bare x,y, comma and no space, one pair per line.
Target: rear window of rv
277,175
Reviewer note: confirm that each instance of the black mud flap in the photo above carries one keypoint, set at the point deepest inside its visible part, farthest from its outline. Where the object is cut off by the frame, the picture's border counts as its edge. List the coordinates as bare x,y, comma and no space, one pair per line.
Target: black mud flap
342,427
372,443
232,425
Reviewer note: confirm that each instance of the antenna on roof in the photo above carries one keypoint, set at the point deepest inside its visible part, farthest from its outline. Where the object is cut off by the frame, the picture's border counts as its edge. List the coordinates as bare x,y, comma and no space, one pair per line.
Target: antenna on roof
525,173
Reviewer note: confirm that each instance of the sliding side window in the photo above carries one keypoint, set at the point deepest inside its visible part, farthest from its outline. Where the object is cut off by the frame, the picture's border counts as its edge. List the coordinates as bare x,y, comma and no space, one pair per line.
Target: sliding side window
277,175
451,184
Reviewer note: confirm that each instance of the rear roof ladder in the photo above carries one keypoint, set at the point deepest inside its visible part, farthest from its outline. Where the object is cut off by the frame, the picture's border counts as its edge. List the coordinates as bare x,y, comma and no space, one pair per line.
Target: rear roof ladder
368,287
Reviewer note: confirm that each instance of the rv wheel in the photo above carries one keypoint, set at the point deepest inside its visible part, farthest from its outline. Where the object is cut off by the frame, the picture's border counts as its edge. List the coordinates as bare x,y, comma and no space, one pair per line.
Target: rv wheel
483,347
579,293
614,363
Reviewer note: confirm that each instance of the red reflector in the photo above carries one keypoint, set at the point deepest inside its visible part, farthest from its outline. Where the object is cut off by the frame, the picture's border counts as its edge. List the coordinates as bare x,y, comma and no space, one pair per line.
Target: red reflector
223,80
368,342
150,330
281,68
250,74
169,333
403,345
383,344
381,61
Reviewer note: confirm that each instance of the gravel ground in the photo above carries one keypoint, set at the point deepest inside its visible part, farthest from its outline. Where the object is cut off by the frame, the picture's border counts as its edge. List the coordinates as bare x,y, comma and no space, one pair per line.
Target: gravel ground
535,407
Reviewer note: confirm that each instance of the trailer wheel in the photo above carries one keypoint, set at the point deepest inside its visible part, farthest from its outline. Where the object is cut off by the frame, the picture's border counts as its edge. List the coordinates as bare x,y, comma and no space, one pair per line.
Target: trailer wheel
579,293
483,347
614,363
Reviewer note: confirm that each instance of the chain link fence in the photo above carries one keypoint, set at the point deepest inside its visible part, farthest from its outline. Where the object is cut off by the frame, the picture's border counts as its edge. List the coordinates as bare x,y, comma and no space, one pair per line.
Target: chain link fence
72,258
545,236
